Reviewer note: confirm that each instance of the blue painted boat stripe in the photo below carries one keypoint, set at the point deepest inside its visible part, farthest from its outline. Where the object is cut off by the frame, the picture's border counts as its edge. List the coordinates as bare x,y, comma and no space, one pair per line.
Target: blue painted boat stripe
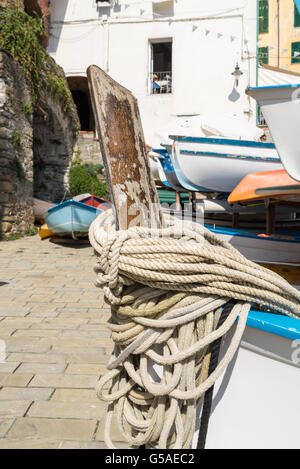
228,155
223,141
293,85
283,326
248,234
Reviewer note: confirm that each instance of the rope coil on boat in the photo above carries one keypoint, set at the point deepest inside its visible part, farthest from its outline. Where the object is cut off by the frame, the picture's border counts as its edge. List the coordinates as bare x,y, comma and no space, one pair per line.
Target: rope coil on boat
167,288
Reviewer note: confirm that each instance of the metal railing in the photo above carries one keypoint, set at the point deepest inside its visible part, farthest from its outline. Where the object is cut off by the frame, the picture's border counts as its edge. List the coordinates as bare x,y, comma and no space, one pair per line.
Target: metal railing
161,82
260,118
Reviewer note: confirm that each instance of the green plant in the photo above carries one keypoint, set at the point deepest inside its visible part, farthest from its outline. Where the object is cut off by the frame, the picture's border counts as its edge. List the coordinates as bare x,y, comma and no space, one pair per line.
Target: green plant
29,232
21,34
60,90
18,168
27,109
16,138
82,180
77,161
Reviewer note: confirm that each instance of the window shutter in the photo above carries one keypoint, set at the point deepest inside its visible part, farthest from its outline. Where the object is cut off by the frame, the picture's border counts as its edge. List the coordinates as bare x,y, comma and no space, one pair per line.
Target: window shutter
263,16
263,55
295,48
296,17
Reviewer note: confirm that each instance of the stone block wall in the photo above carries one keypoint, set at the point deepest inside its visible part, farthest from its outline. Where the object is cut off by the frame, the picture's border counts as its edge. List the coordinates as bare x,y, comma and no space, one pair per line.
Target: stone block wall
87,148
12,4
54,138
16,156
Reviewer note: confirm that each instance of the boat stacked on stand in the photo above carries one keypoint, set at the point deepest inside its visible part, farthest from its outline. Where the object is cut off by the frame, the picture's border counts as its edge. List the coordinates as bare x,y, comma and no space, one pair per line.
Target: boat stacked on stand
280,108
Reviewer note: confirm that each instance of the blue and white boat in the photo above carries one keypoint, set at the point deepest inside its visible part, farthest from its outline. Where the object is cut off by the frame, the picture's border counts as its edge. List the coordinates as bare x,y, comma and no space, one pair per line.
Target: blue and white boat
71,218
280,106
219,164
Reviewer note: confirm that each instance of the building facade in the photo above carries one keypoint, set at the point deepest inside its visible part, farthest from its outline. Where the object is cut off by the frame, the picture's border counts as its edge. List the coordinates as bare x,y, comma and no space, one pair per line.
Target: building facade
176,56
279,34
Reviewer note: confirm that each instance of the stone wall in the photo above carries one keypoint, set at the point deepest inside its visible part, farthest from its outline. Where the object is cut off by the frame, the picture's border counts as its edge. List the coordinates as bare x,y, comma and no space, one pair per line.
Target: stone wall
16,156
12,4
87,148
54,137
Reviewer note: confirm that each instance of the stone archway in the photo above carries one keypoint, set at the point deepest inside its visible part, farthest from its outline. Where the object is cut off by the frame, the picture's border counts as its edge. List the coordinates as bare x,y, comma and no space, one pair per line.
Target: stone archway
81,96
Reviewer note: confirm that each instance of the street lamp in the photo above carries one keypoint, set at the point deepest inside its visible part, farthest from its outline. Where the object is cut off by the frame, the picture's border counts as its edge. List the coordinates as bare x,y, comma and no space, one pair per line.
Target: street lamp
237,73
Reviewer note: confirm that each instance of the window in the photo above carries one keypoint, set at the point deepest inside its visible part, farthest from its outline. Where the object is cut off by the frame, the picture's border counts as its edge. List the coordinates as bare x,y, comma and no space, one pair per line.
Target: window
161,67
296,17
263,55
263,16
295,52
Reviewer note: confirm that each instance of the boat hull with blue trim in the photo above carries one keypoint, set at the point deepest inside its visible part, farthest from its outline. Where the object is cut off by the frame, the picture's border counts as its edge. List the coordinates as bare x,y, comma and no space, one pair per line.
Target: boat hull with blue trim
219,164
71,218
258,395
280,106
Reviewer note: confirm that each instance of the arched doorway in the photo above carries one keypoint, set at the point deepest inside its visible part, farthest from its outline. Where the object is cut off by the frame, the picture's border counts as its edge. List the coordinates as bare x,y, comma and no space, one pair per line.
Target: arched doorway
81,96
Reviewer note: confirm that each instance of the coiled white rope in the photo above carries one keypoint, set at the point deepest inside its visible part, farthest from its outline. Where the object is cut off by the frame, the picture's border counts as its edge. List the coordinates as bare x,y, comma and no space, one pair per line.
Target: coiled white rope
166,288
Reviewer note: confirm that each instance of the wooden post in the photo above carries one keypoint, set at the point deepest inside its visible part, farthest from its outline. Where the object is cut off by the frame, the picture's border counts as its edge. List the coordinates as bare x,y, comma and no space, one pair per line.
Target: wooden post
123,148
271,217
235,220
178,201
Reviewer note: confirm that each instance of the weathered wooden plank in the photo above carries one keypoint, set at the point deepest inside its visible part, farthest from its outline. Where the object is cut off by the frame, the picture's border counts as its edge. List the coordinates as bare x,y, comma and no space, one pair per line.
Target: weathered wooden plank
123,148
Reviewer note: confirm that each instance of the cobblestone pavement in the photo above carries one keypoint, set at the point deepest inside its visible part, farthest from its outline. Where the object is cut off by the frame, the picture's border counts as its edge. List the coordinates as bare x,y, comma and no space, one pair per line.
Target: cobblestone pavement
52,324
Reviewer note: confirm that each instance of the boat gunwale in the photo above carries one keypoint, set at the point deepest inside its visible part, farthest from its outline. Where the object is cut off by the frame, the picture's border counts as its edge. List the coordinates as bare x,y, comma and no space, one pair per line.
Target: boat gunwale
221,141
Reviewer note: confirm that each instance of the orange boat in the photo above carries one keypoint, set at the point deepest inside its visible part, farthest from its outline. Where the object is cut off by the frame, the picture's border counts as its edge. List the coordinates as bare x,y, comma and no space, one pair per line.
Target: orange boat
270,184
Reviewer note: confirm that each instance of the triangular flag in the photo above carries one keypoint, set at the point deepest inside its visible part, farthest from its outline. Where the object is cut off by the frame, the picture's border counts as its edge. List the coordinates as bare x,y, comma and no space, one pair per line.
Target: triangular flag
194,28
207,31
296,54
219,35
142,11
232,38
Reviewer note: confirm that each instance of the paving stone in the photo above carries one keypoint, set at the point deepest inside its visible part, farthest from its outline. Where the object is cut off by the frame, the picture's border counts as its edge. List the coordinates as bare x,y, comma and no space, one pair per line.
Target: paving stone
5,425
60,323
8,366
37,332
41,368
86,369
27,347
35,358
13,408
15,380
69,410
84,357
75,395
55,429
25,394
64,381
35,443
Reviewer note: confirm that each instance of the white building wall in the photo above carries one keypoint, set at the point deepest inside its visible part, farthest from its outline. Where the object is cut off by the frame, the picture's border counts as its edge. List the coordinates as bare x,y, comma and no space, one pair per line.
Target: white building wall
209,38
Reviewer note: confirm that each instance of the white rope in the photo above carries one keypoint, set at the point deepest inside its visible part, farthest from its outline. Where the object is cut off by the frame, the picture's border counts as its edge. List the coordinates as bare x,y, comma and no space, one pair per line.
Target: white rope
167,288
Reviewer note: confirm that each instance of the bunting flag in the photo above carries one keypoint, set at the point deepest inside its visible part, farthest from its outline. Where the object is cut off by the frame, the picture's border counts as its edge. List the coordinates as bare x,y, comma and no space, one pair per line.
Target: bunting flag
297,5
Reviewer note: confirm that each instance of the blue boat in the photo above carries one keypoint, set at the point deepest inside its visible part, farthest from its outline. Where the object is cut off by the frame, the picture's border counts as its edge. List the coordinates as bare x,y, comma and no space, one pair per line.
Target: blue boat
71,218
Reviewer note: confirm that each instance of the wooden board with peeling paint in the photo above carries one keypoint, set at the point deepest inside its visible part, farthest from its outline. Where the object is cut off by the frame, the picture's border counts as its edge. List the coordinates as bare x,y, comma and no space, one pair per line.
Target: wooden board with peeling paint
123,148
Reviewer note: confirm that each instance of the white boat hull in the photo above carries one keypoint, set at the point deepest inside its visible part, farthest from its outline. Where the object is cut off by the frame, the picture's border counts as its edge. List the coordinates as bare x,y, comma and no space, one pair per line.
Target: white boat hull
260,249
256,401
280,106
219,166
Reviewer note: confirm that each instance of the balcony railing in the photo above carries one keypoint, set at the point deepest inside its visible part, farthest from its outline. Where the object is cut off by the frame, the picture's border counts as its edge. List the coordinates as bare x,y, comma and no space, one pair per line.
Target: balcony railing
260,118
161,82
